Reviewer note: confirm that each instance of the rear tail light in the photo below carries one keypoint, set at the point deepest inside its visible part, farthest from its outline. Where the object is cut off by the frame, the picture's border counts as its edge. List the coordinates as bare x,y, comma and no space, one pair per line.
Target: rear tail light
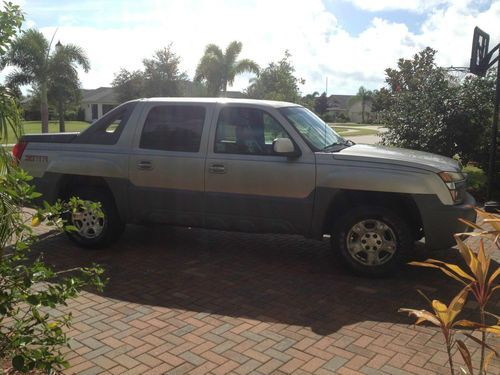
18,150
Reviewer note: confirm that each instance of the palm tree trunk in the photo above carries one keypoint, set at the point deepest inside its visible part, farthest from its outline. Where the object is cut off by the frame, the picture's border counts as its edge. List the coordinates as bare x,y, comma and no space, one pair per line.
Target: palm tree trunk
44,108
60,110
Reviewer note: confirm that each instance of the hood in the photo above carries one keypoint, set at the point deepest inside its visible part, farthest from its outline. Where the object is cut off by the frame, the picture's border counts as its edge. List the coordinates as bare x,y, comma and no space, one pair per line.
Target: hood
400,156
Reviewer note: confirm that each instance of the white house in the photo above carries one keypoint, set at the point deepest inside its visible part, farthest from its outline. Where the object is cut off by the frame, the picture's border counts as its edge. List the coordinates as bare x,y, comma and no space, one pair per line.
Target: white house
97,102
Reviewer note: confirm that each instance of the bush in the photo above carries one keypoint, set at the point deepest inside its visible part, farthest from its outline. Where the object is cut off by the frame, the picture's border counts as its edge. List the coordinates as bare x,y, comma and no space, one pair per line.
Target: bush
476,181
341,117
31,335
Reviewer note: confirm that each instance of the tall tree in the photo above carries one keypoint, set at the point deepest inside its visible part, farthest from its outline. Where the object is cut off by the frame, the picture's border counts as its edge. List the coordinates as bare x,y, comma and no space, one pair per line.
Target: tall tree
162,74
31,54
321,104
11,19
277,82
128,85
363,96
218,69
63,83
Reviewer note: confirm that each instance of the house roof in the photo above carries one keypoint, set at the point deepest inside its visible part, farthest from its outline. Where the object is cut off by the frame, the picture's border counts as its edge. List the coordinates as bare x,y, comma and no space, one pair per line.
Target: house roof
101,95
338,102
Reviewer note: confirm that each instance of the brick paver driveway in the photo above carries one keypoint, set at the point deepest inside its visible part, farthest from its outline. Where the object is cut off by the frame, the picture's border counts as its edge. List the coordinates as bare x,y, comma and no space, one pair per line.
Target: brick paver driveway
195,301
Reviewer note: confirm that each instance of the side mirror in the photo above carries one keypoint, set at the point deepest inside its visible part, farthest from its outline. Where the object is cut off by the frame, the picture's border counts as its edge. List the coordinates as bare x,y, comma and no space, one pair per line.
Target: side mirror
285,147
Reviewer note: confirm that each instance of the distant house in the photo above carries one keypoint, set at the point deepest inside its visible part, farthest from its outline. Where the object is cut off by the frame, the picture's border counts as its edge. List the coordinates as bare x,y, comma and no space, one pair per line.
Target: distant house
349,108
97,102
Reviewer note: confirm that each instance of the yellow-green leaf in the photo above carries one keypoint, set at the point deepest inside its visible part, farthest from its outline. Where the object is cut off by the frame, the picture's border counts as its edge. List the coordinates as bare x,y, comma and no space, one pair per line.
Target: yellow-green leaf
464,351
422,315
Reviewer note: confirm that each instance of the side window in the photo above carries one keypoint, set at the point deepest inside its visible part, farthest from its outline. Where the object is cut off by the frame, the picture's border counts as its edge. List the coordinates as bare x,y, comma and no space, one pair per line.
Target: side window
243,130
173,128
108,128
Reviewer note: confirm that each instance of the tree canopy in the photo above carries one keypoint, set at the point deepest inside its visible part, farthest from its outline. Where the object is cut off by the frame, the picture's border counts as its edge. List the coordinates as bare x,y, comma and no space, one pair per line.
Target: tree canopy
217,69
277,82
428,110
161,77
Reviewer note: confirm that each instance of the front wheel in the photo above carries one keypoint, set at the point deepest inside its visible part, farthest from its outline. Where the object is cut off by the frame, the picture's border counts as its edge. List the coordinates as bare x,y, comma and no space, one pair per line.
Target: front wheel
93,230
372,241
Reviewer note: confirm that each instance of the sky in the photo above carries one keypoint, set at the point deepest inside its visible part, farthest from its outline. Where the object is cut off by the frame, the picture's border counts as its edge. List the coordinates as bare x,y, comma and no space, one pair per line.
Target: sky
348,43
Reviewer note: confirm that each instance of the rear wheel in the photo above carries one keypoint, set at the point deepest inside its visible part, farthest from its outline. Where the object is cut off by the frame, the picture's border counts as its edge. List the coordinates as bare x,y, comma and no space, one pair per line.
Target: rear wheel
93,230
372,241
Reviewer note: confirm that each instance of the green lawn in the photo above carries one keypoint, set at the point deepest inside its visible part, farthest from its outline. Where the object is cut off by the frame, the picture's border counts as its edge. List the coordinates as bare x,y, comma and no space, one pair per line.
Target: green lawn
351,124
36,127
352,131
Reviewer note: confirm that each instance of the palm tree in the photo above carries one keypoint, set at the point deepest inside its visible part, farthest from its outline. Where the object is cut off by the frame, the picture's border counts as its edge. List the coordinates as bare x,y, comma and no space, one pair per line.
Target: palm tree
364,96
30,53
218,69
63,83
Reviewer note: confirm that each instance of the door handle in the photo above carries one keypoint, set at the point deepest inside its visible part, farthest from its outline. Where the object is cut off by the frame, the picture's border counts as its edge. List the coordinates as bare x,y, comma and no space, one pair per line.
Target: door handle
144,165
217,169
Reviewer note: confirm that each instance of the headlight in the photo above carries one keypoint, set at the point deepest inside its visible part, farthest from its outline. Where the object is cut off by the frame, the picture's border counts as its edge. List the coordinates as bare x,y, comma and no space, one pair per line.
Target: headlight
452,180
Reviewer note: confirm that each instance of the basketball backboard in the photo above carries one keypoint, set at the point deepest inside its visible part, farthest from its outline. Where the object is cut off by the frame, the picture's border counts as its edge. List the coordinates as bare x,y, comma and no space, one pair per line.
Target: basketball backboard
479,56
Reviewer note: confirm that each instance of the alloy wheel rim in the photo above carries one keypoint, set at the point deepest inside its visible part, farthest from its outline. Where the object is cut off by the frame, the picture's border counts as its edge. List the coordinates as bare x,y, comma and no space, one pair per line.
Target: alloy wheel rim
371,242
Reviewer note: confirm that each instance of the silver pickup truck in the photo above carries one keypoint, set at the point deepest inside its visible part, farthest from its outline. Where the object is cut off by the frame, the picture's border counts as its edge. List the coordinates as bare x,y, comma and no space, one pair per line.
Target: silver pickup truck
253,166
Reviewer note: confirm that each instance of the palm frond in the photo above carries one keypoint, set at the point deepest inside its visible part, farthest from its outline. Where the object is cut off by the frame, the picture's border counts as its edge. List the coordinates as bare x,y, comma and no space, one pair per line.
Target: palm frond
232,52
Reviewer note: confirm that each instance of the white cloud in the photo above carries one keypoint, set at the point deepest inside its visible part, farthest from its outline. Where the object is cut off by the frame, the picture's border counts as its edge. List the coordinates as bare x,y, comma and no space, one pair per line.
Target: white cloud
419,6
320,48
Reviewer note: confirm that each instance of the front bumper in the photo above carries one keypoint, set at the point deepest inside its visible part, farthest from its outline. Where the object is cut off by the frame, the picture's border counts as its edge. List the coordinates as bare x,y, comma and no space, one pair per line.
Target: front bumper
441,221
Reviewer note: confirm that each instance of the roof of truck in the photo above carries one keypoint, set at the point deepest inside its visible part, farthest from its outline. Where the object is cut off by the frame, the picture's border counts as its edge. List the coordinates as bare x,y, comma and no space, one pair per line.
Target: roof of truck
270,103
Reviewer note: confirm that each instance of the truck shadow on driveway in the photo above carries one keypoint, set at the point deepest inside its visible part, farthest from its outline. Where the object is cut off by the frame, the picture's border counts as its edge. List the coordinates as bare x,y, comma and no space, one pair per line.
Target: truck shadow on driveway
272,278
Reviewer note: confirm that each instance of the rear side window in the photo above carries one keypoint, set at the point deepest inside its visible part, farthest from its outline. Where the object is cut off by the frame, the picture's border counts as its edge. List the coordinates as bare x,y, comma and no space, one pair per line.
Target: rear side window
107,130
173,128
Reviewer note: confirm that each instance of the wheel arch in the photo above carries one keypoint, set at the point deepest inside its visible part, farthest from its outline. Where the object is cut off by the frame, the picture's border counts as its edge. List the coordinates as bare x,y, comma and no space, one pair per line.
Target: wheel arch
401,204
71,182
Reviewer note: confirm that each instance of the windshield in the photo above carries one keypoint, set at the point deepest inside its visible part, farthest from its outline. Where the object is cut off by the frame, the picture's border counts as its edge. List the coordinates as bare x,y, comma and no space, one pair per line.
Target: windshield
314,130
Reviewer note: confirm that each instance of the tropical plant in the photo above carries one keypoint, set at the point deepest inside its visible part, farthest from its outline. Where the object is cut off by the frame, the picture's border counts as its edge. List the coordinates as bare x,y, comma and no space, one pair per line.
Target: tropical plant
277,82
31,335
218,69
309,100
63,82
363,96
11,19
37,65
478,281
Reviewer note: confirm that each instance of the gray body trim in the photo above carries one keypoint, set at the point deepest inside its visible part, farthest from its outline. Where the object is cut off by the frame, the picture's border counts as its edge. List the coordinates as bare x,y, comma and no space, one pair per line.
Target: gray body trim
441,221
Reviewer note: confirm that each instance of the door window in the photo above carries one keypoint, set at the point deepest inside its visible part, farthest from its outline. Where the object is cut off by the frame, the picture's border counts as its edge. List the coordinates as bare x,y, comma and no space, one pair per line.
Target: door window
242,130
173,128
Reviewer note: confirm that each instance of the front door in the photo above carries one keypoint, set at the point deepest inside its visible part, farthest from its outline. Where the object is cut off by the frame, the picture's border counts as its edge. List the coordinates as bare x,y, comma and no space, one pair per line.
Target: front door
167,163
247,186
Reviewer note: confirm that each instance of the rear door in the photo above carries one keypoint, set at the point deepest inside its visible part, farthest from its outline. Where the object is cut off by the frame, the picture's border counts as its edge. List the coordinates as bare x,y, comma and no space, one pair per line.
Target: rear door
167,162
247,186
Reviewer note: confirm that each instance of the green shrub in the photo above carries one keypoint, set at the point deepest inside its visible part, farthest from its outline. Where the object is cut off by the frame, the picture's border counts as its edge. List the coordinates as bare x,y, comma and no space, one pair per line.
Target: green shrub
31,334
476,181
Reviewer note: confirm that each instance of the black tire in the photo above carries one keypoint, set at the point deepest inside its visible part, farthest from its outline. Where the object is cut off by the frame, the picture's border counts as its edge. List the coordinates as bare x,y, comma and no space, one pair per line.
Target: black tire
112,225
385,230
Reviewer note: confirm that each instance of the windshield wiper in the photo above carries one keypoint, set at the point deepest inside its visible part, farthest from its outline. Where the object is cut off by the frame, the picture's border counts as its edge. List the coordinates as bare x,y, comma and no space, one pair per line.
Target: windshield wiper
338,146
